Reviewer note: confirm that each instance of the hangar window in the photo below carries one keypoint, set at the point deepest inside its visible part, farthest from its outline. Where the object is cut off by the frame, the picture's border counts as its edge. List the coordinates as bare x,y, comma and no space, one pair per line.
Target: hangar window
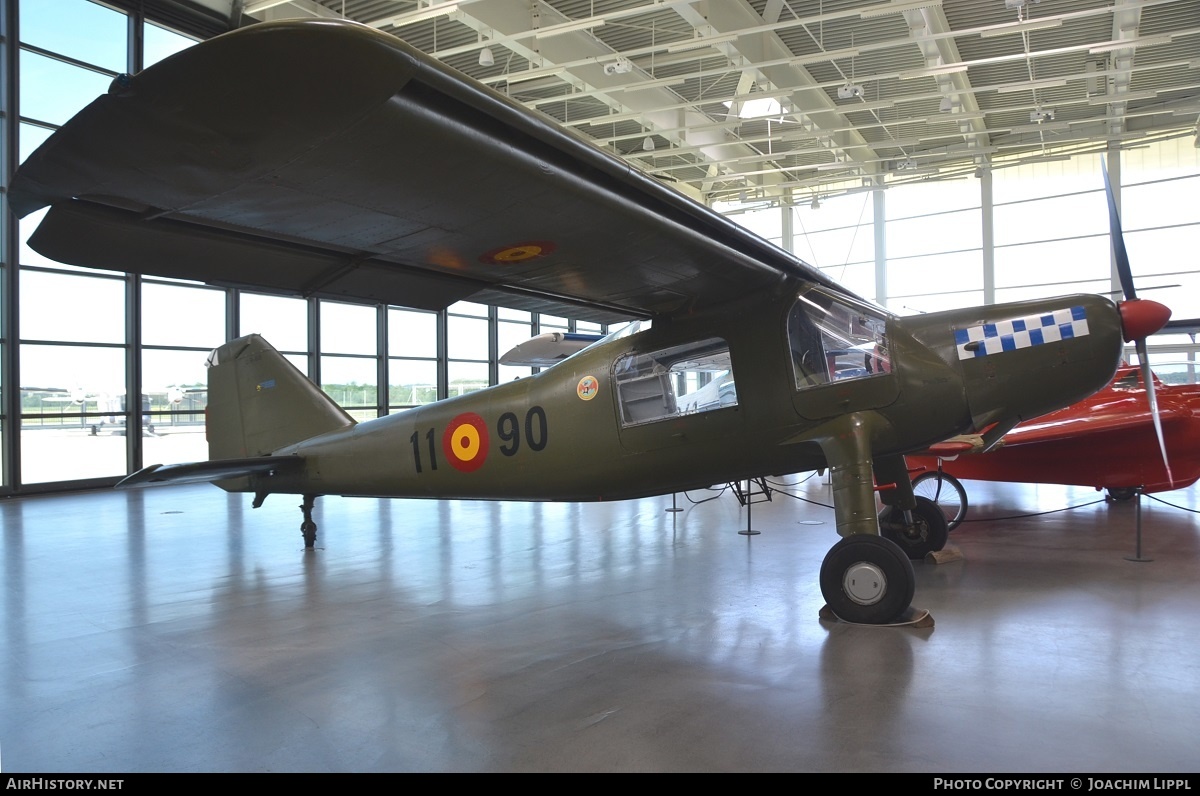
413,358
681,380
833,338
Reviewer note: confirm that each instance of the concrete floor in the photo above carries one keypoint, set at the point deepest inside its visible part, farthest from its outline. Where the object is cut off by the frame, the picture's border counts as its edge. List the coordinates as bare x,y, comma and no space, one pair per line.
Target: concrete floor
174,629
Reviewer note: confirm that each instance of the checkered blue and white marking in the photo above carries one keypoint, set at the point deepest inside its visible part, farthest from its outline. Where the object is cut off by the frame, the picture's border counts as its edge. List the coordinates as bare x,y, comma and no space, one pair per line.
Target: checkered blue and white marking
1016,333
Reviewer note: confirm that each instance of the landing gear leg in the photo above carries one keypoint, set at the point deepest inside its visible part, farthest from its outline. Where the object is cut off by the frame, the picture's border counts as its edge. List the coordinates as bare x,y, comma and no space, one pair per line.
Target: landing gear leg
308,528
865,578
846,443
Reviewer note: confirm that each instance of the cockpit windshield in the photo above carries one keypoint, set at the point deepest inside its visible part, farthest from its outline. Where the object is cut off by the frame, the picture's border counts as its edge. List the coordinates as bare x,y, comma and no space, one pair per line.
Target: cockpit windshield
834,338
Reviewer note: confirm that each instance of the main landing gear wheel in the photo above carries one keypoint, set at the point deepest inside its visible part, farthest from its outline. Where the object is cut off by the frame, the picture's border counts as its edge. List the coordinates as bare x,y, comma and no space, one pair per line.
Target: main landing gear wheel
867,580
1122,492
946,491
927,533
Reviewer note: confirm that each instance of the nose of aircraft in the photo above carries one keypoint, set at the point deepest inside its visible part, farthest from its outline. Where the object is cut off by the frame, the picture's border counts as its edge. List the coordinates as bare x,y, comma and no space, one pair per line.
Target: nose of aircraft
1141,318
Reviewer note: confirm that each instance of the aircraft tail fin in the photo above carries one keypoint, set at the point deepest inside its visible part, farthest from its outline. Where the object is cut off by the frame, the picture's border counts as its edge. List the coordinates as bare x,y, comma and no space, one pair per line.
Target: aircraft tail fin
259,402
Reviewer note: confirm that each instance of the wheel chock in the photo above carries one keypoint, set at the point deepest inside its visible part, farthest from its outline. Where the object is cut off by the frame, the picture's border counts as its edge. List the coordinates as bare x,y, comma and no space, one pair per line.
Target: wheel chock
944,556
910,617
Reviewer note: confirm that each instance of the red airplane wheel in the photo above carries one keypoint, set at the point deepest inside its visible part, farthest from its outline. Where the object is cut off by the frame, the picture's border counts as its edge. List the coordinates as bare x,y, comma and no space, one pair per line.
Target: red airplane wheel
928,532
867,580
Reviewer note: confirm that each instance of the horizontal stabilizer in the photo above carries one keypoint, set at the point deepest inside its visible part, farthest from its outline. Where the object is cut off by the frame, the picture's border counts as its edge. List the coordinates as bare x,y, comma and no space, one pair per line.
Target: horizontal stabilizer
548,349
204,472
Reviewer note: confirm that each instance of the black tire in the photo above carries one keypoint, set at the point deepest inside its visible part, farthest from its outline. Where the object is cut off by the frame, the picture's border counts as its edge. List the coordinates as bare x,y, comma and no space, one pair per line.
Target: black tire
946,491
927,534
867,580
309,531
1122,493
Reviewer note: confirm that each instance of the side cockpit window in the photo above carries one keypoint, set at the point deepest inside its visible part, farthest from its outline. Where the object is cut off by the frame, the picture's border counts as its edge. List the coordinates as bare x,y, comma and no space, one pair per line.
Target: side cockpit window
832,338
681,380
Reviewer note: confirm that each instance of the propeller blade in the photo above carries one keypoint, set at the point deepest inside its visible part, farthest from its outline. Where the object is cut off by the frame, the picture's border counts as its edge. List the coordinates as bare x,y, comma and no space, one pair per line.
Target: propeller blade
1148,380
1140,319
1118,239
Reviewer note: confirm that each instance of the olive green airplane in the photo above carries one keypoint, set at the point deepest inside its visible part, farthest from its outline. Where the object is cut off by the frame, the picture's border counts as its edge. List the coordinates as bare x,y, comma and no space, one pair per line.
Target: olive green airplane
328,159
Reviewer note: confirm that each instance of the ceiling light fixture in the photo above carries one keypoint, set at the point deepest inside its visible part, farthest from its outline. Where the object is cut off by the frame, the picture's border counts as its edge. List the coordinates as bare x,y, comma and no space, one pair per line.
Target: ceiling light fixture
1020,27
1040,127
660,83
1045,159
1129,44
486,57
1012,88
946,105
648,144
874,105
933,71
568,27
414,17
827,55
532,74
696,44
1127,96
884,9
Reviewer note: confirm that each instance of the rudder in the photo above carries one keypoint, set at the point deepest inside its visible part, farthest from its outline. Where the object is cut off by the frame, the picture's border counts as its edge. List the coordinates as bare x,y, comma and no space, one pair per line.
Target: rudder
259,402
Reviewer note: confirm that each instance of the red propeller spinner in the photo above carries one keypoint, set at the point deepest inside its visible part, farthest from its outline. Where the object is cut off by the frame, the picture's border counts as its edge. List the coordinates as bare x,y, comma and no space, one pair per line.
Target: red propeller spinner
1141,318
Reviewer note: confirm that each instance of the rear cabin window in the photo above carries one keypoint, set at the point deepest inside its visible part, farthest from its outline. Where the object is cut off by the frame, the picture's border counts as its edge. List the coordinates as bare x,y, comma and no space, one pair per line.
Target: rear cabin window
682,380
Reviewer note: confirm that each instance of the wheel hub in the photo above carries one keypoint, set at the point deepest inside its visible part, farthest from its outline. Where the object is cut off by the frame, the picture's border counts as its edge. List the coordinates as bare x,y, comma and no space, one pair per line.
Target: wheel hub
917,531
864,583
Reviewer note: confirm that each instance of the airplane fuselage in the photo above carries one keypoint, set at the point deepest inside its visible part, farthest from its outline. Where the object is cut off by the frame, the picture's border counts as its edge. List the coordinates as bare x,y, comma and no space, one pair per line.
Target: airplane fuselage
573,432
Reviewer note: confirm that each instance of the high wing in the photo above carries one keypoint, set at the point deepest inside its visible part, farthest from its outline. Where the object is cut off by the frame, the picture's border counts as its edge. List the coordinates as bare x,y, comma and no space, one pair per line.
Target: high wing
326,158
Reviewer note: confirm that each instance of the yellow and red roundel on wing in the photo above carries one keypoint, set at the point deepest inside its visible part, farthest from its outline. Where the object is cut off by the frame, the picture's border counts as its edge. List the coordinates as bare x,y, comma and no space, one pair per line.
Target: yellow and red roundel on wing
518,252
466,442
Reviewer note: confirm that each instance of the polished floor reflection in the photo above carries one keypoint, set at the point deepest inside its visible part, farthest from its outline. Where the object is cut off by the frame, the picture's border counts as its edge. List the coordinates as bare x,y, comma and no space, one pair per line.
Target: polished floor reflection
176,629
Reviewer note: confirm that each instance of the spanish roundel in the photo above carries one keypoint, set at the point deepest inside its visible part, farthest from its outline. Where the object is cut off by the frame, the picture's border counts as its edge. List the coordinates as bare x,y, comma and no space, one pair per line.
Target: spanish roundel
466,442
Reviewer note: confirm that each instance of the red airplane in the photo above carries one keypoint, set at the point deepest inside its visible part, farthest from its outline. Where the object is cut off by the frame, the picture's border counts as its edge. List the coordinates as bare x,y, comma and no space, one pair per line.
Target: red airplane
1107,441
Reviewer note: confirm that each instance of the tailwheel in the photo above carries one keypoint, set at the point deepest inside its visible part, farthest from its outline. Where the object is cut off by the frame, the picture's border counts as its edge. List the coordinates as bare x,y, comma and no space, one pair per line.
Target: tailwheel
926,533
308,528
868,580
